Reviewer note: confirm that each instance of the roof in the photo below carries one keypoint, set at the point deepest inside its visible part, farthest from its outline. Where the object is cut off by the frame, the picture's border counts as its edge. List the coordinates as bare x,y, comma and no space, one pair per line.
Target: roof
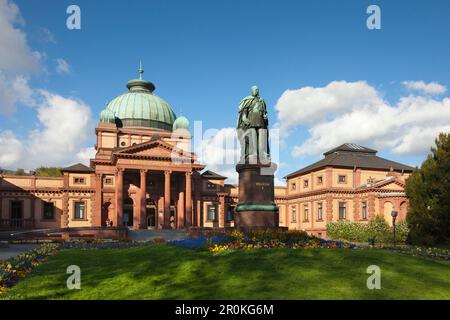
212,175
351,147
79,167
351,155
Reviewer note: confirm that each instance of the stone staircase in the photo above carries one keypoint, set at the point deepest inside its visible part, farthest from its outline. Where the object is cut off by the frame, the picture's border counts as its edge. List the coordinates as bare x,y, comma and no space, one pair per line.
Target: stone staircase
146,235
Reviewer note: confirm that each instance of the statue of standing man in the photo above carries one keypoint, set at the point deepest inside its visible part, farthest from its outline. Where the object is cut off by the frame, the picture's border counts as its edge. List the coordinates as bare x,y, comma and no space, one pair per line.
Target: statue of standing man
252,128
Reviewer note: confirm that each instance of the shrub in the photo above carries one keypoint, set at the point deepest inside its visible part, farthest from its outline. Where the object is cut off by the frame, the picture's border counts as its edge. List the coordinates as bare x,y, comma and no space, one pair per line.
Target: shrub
377,229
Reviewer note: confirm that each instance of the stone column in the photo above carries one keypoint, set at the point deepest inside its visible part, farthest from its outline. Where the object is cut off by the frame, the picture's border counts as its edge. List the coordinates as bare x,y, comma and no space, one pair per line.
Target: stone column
222,213
167,199
1,204
188,199
119,197
33,210
139,220
329,208
356,208
180,211
97,214
371,206
199,212
65,211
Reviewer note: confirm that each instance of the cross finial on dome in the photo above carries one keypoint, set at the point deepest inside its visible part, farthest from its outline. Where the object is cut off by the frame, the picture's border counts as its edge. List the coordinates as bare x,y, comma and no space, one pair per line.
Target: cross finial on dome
141,71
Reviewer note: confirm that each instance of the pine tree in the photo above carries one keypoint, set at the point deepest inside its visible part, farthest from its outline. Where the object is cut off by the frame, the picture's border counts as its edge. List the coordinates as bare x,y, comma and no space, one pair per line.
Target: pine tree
428,190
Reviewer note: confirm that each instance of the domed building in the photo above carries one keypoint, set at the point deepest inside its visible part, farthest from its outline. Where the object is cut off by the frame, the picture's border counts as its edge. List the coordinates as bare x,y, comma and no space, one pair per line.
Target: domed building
144,175
144,161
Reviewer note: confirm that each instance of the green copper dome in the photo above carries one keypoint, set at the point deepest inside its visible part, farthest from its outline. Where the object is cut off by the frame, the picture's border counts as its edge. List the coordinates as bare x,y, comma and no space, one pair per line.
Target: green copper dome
139,107
181,123
107,116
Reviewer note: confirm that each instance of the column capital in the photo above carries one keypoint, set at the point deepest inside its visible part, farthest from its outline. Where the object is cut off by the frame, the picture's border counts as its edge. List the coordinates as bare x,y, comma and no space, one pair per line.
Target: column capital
167,172
189,173
120,170
143,171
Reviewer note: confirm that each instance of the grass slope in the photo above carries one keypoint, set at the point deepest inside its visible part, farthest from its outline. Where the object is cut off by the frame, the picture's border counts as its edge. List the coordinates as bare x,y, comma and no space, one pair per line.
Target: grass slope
167,272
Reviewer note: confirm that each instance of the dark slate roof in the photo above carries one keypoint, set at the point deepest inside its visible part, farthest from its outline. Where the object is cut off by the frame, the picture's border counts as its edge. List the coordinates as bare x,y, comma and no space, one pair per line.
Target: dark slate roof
212,175
351,147
350,155
79,167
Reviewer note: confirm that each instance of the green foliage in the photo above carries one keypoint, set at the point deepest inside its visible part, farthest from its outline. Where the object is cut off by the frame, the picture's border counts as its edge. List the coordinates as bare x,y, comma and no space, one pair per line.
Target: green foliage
20,172
428,190
169,272
377,229
48,172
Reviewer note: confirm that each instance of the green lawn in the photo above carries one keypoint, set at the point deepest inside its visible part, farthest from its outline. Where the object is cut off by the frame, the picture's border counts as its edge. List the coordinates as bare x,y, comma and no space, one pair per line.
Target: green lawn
167,272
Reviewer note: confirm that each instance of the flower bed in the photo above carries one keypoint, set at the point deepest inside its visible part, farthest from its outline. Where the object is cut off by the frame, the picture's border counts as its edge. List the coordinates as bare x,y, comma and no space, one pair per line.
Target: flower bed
433,253
15,268
225,241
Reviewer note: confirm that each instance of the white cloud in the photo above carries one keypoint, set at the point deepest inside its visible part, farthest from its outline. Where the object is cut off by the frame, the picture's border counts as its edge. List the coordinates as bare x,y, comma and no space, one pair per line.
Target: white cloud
308,105
11,149
62,66
85,155
65,126
46,36
354,112
219,151
16,56
432,88
14,89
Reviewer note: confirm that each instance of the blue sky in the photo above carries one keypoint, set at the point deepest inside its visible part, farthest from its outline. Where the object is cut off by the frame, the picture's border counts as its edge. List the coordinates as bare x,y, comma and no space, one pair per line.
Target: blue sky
203,56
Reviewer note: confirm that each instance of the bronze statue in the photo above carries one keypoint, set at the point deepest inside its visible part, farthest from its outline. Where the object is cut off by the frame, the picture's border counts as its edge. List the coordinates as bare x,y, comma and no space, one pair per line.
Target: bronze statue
252,127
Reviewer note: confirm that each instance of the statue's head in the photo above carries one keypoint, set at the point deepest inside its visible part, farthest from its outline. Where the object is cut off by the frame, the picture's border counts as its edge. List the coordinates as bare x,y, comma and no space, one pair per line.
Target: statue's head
255,91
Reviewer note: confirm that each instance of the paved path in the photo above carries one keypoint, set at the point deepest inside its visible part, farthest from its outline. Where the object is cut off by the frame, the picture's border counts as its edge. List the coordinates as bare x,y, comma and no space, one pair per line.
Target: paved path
145,235
12,250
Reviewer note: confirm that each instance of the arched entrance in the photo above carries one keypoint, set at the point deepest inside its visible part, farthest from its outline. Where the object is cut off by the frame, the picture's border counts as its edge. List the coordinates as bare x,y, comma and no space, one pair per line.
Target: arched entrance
106,221
403,210
150,214
387,209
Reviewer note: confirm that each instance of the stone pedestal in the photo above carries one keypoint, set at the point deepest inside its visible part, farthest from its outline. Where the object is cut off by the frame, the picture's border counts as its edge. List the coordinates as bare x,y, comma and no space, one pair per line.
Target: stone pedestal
256,208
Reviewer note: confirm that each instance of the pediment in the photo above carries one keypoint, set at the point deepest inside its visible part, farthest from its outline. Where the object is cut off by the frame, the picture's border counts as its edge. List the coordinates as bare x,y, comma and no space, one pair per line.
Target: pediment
392,185
154,149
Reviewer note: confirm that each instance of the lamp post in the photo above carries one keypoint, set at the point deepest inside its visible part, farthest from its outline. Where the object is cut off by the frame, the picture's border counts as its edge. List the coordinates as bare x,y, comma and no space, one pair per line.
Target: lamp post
394,215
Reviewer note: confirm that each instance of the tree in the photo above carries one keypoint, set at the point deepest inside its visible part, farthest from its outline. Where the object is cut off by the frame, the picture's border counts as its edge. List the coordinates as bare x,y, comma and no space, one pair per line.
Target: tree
48,172
428,190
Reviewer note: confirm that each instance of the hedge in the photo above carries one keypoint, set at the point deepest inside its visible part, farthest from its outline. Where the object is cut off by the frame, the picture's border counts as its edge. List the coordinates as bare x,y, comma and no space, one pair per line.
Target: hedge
377,229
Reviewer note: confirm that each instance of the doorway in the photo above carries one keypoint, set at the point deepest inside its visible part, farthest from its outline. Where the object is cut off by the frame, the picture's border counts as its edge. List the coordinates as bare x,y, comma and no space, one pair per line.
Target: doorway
16,214
151,217
128,212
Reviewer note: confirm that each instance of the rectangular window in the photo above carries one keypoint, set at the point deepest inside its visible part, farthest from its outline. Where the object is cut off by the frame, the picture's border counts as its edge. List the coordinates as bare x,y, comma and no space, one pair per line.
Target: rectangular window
79,180
80,210
342,210
342,179
48,212
293,186
364,211
319,180
108,181
230,213
211,186
211,212
305,183
319,211
293,214
306,213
